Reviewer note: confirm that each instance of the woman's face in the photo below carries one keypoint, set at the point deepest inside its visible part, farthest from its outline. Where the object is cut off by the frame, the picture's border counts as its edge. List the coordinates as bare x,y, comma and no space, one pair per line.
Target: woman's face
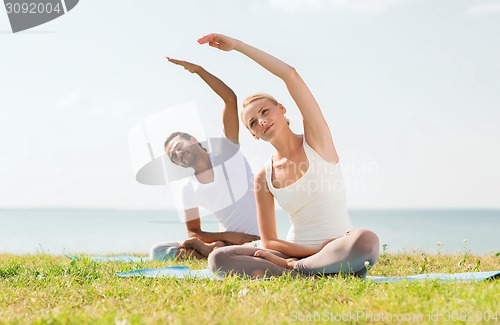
263,118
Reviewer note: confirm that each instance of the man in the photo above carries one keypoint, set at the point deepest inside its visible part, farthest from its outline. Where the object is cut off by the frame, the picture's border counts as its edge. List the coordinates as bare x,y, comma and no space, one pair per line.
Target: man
222,182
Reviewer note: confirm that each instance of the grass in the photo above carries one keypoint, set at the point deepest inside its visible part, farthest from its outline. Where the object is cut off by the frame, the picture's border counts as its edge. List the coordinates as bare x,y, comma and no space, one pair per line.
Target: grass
44,289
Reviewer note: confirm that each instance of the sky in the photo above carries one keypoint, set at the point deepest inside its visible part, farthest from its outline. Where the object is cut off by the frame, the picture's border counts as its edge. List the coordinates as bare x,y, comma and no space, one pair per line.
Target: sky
410,90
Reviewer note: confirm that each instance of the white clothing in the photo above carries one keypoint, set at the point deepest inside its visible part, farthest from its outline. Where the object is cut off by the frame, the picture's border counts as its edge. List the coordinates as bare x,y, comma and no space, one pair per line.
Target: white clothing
315,203
230,196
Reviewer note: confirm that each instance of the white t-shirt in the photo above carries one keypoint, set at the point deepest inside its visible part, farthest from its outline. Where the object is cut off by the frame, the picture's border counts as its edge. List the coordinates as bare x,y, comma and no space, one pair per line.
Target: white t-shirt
230,196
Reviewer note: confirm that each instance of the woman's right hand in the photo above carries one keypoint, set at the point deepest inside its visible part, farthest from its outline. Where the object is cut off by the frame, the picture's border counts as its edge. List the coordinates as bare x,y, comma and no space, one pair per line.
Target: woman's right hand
222,42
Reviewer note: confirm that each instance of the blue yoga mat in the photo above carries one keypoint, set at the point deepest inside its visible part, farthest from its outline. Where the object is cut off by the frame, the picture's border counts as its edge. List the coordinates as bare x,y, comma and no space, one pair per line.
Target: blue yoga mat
186,272
170,272
466,276
118,258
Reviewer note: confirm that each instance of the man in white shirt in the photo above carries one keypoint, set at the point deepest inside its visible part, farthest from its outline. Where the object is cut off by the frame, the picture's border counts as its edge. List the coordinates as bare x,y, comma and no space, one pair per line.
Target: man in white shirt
222,182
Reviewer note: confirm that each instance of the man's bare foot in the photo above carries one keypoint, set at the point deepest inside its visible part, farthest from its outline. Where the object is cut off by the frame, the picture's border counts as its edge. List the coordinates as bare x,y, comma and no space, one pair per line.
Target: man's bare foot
217,244
187,253
200,246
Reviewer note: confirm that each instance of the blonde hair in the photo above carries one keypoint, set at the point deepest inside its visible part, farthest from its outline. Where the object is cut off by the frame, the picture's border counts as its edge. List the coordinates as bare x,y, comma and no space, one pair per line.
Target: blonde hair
258,96
250,99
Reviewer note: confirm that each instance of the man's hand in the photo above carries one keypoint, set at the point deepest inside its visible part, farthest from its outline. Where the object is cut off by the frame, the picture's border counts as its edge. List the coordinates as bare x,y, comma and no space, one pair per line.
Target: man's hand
191,67
238,238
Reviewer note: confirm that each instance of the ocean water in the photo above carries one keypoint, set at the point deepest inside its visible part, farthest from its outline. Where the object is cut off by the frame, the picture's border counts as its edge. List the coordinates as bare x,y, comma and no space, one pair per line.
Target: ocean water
89,231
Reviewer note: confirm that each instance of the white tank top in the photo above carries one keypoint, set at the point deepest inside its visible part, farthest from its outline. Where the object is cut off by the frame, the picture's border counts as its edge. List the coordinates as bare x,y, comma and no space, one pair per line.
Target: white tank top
315,203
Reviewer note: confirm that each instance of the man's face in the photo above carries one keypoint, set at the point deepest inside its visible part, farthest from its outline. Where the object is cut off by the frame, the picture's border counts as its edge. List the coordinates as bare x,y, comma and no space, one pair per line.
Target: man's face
182,152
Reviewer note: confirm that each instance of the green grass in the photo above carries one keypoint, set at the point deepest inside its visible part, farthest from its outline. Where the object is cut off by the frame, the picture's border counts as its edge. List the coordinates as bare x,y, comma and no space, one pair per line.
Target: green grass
44,289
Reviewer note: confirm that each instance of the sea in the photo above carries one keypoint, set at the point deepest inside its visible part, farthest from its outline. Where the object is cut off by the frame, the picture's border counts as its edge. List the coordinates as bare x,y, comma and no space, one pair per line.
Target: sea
110,232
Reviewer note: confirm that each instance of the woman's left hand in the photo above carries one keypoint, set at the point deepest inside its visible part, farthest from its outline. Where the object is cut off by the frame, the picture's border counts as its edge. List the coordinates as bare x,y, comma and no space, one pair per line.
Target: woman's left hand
288,263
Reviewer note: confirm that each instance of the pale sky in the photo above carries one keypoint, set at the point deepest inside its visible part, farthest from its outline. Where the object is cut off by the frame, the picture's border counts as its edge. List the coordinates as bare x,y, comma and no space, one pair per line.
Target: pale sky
410,89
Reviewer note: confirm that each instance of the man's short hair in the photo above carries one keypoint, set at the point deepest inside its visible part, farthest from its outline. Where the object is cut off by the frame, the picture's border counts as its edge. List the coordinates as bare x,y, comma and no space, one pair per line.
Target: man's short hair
183,135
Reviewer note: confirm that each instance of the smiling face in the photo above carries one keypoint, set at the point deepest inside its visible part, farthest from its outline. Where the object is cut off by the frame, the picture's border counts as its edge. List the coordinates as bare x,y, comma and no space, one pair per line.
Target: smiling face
182,152
263,117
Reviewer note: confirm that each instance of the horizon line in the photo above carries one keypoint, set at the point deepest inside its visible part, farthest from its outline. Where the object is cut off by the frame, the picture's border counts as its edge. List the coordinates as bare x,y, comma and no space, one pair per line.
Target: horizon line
277,209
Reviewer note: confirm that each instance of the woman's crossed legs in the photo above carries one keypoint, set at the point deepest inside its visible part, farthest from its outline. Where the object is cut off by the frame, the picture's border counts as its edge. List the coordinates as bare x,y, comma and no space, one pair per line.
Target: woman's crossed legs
346,254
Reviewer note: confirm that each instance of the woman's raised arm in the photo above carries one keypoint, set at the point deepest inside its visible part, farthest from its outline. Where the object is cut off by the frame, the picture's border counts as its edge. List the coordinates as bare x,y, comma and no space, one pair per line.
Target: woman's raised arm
316,129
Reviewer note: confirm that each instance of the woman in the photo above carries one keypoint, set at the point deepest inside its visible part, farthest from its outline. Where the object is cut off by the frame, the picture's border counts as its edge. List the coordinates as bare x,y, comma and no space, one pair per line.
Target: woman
304,177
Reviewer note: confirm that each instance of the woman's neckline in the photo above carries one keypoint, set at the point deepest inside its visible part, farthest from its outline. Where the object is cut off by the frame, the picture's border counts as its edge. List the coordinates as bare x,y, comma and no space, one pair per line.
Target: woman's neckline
303,147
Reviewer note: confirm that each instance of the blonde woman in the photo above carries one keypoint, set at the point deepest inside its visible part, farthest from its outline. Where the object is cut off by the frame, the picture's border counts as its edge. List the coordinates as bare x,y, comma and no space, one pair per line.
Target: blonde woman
304,177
